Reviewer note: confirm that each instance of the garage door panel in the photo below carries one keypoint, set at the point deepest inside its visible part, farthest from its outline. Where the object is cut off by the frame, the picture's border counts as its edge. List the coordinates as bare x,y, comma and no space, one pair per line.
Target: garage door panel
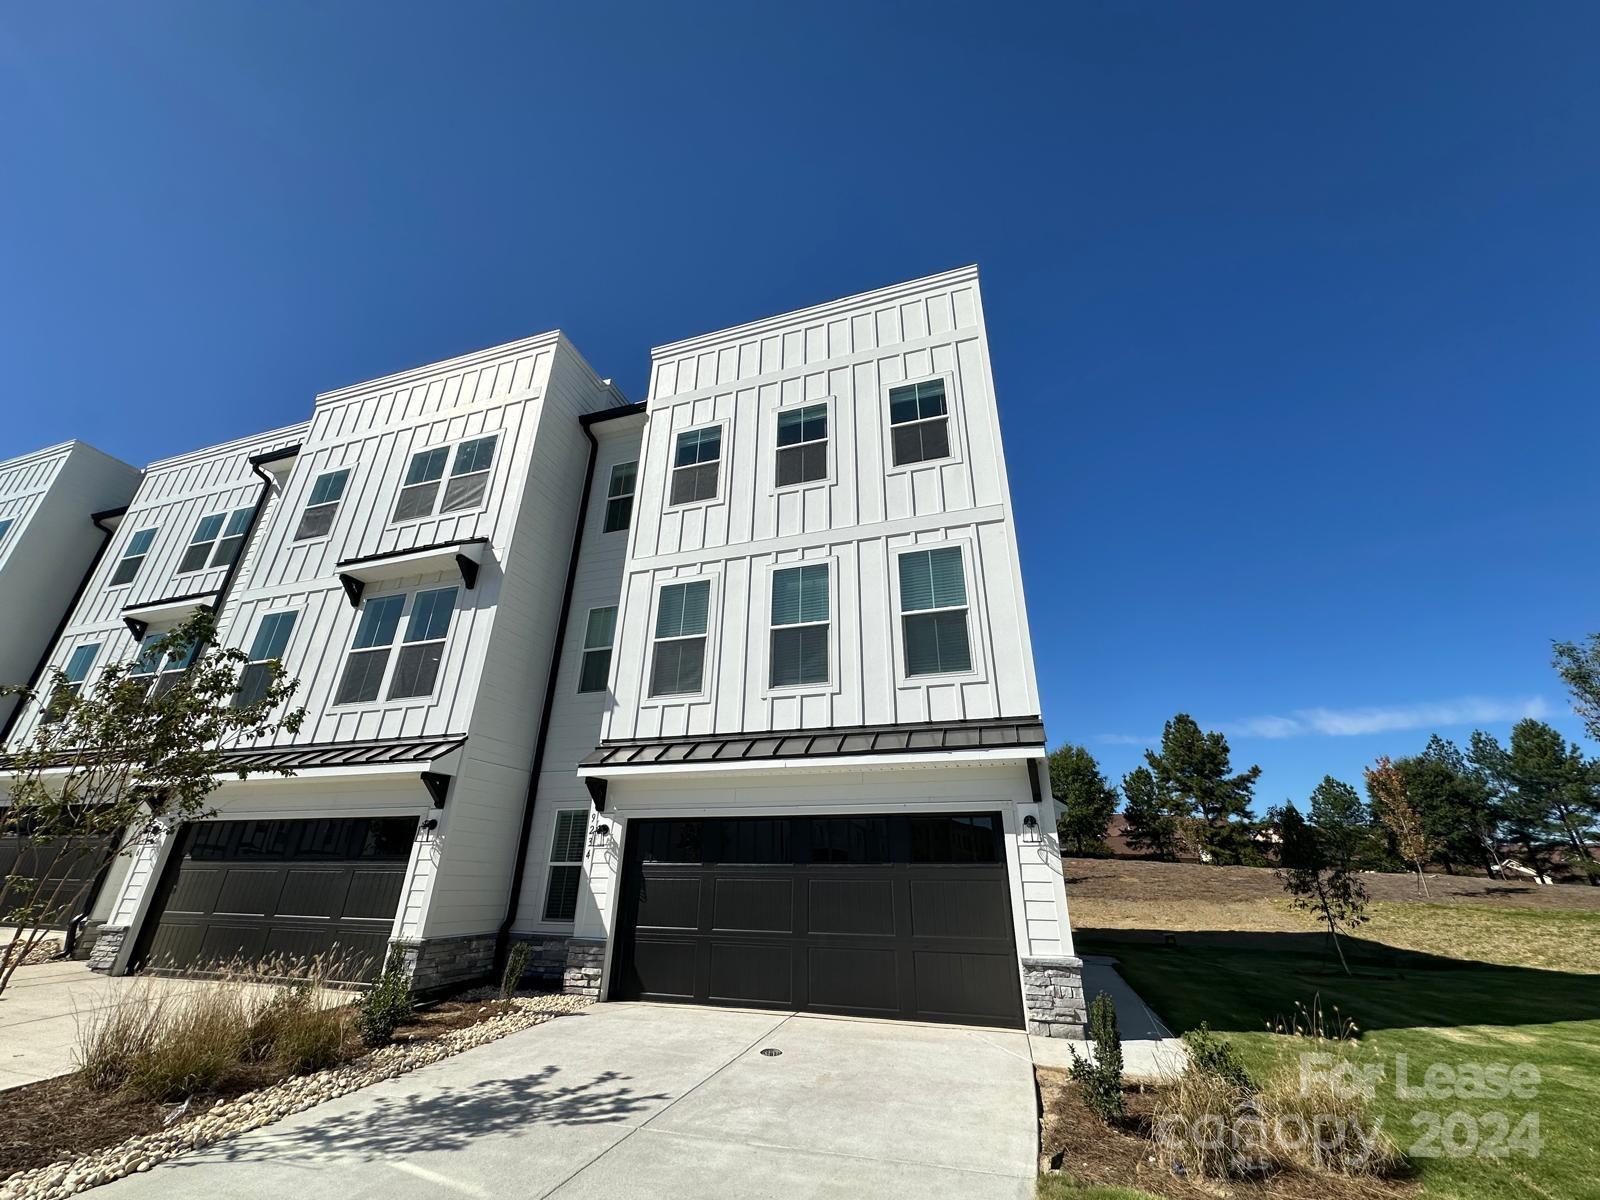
754,904
196,890
860,908
250,891
892,916
959,908
664,969
175,945
313,893
224,943
751,973
966,986
669,903
862,980
374,895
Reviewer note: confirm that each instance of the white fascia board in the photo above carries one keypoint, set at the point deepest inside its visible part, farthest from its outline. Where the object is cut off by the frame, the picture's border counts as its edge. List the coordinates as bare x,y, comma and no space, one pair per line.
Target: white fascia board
852,762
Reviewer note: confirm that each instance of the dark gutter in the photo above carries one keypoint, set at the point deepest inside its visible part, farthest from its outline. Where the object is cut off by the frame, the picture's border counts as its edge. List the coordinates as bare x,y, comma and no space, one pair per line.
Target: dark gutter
519,870
611,414
98,519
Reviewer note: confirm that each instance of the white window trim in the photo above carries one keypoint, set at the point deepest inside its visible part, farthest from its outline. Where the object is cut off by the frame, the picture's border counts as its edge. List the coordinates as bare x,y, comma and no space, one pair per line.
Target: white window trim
584,651
952,401
155,531
832,685
830,476
227,515
551,864
383,701
723,464
969,576
708,667
453,447
337,505
633,497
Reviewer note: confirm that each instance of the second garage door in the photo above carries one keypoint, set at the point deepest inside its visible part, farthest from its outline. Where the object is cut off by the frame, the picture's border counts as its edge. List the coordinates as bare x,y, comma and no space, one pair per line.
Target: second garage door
251,891
885,916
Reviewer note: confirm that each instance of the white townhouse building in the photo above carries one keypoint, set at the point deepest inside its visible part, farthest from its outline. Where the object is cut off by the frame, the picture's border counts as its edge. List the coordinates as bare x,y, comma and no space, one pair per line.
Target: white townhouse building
56,506
819,775
726,697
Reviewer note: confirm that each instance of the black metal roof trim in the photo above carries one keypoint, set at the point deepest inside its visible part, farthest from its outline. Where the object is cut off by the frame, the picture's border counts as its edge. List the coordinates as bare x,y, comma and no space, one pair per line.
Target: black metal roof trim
166,600
842,741
377,752
612,414
365,559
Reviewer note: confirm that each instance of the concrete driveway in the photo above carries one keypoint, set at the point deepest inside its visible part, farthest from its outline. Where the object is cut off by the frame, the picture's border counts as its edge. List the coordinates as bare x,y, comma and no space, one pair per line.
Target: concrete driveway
629,1100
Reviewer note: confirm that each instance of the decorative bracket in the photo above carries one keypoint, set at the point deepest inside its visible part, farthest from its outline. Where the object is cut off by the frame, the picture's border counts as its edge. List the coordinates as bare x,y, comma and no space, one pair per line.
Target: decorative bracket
597,792
438,786
353,588
136,627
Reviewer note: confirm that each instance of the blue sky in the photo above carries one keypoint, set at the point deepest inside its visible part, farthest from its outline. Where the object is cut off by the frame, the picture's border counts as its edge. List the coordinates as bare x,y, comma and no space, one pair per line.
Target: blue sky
1293,307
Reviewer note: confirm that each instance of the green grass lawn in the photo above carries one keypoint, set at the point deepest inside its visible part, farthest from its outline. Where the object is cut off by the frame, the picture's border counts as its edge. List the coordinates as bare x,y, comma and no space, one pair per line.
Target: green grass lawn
1430,1008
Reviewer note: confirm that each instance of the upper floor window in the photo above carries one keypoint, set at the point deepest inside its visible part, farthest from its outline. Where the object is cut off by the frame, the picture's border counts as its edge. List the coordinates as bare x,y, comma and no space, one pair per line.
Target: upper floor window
467,485
416,667
133,557
919,422
695,465
5,528
678,667
598,636
802,444
566,869
933,607
317,518
216,542
272,639
162,671
76,672
800,617
619,496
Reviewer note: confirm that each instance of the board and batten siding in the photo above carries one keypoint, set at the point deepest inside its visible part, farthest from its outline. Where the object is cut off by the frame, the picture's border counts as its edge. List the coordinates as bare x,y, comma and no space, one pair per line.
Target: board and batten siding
576,716
847,354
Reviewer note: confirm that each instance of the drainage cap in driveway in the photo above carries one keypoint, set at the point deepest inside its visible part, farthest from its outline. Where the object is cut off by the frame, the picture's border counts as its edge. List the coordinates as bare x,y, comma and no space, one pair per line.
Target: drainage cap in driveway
771,1052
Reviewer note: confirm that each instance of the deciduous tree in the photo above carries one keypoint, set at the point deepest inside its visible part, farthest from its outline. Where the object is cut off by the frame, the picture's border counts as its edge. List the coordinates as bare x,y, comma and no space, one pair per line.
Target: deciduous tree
1386,787
1316,882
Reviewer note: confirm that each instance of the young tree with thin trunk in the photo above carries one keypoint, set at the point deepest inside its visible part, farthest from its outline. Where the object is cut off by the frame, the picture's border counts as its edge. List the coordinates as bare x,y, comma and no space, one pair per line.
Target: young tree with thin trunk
112,767
1088,802
1316,882
1386,787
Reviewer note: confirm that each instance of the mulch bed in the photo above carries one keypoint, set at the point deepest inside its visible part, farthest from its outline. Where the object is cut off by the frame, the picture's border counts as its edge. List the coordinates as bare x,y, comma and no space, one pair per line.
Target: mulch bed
62,1118
1076,1142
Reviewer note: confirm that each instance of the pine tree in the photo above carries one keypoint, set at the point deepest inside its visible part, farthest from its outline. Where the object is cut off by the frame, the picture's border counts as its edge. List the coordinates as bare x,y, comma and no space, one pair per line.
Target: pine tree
1343,821
1152,825
1194,772
1087,800
1456,806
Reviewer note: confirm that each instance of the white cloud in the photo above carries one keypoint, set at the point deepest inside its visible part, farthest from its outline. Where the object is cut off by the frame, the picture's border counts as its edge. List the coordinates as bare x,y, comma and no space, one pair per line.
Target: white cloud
1353,722
1126,739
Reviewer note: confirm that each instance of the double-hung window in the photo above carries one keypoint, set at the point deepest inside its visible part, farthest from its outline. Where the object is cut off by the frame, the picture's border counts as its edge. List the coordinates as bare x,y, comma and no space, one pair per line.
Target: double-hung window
598,635
272,639
696,464
416,670
800,618
566,864
158,674
919,422
619,496
802,444
216,542
133,557
362,680
469,464
317,517
678,666
933,608
76,672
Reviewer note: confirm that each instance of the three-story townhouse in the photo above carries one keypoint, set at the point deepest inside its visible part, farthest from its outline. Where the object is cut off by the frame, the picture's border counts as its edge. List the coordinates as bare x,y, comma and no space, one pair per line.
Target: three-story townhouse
49,537
409,571
820,780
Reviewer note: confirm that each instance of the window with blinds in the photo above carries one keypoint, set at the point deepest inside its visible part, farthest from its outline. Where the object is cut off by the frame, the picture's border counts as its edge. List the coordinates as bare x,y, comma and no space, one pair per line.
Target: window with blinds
317,517
272,639
802,445
216,542
678,664
598,634
800,626
919,422
566,864
76,672
696,464
133,557
466,486
933,608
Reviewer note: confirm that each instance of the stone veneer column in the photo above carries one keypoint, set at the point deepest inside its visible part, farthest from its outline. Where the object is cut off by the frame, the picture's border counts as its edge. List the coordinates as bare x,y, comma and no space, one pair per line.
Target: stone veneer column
1052,995
103,955
586,959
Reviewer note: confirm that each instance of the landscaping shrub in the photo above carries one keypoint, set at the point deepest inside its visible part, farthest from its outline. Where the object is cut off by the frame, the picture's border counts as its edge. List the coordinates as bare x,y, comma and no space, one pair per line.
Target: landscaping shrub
1100,1079
516,964
387,1005
1208,1127
197,1039
1323,1127
299,1030
1217,1056
111,1040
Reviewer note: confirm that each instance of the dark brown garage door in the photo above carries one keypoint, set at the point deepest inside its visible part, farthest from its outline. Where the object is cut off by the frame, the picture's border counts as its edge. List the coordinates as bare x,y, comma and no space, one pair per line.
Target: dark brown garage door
891,916
254,891
60,876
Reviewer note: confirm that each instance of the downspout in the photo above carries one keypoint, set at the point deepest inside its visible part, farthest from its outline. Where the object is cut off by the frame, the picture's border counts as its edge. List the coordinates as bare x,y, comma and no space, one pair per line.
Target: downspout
519,870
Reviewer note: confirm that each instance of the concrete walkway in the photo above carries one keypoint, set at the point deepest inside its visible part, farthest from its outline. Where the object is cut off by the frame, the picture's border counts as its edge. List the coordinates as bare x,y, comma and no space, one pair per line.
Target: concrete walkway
41,1011
1149,1051
639,1100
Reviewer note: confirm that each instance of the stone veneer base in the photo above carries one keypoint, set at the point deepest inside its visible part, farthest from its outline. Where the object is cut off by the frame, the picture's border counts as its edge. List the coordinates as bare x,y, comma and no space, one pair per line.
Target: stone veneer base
586,960
435,963
103,954
1052,995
